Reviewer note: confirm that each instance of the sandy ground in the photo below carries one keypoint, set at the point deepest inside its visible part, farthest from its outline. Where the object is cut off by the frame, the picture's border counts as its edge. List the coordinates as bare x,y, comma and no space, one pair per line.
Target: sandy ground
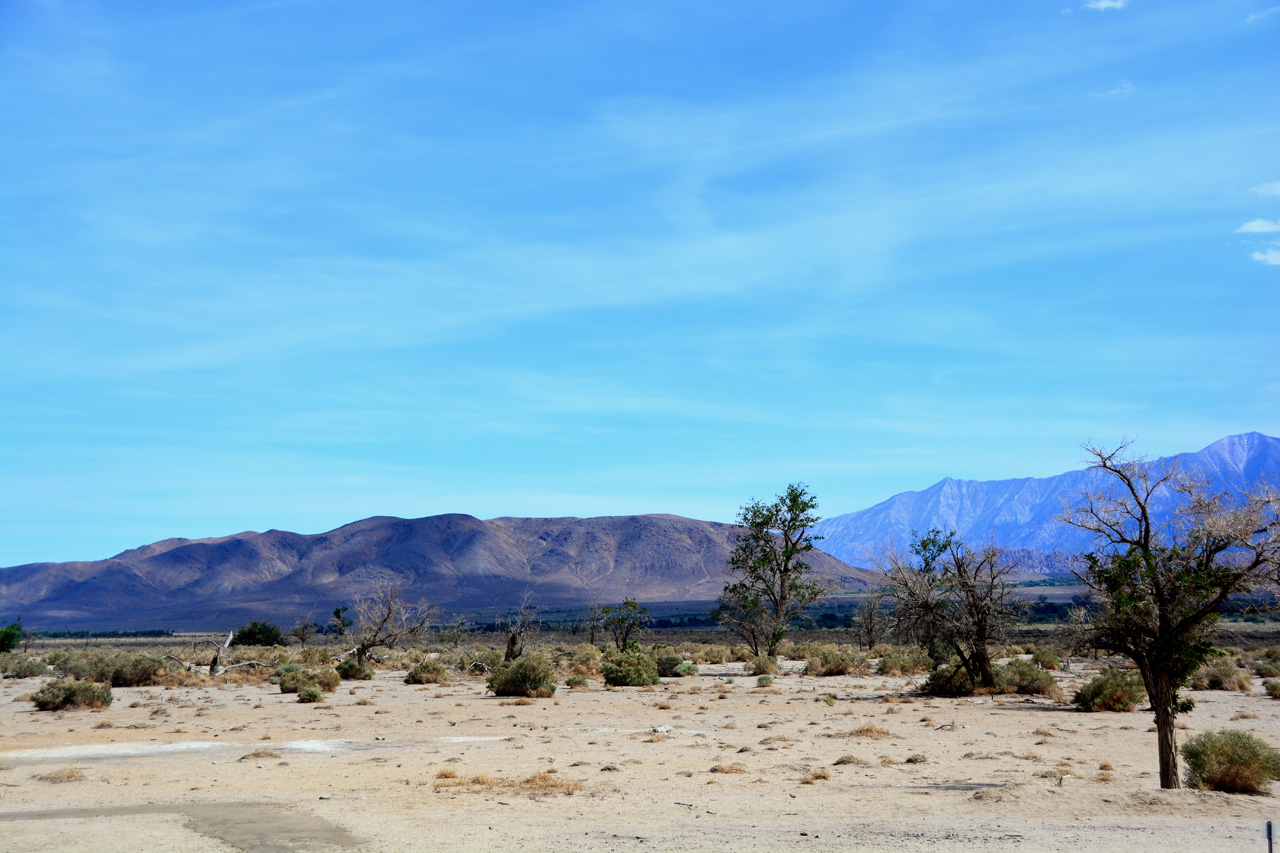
704,763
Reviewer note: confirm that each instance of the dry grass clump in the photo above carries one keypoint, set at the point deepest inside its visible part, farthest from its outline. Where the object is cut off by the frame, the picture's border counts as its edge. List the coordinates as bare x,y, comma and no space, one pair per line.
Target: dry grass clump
543,782
1222,674
870,730
1244,715
917,758
818,774
523,700
259,753
851,759
66,774
728,768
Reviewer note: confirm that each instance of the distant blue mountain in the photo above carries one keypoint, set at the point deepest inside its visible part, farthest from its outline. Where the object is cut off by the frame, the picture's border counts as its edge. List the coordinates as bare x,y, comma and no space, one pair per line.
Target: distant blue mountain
1022,514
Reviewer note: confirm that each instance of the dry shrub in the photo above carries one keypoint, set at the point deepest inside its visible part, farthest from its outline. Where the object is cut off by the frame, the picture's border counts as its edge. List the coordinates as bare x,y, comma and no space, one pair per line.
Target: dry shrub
819,774
728,768
544,782
763,665
447,774
547,782
427,672
904,661
870,730
530,675
259,753
917,758
66,774
830,659
1232,762
64,694
1222,674
1110,690
851,759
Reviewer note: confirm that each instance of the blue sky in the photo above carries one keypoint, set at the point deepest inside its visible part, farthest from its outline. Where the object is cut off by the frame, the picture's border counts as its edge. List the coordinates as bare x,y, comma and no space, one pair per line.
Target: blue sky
292,264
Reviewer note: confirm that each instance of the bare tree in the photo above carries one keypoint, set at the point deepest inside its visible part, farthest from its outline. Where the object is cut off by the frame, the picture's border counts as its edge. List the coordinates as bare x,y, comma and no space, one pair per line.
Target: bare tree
595,616
386,618
871,625
954,600
1160,586
519,626
770,584
304,629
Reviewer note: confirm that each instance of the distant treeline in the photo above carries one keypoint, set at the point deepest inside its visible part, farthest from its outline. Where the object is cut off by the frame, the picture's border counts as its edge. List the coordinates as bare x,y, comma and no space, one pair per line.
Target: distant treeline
99,635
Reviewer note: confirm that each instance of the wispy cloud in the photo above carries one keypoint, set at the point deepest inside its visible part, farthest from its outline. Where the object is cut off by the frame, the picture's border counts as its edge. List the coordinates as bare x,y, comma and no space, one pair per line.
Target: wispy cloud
1269,188
1259,226
1270,257
1122,90
1258,16
1105,5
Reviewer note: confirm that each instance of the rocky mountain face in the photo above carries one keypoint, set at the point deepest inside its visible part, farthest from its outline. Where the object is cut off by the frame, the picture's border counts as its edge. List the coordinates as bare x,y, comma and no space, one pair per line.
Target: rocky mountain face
458,562
1022,514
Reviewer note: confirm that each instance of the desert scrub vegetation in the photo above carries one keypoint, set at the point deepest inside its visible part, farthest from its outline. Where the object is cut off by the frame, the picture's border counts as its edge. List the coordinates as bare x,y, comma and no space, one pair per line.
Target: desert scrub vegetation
630,669
1232,762
352,670
1222,674
1047,658
310,693
763,665
530,675
65,694
119,669
905,660
1272,688
1111,690
294,678
666,661
1017,676
830,659
542,783
427,672
21,666
576,682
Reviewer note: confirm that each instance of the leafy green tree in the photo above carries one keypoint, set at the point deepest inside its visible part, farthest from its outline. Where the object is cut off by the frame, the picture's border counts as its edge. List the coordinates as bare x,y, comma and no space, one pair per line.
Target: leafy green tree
340,622
258,634
624,621
11,635
770,583
1159,587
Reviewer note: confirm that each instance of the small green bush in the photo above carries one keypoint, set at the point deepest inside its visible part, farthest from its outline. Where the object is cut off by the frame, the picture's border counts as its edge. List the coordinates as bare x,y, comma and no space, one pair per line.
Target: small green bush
904,661
311,693
686,670
531,674
1272,688
667,662
630,669
258,634
130,670
1267,669
294,679
763,665
1233,762
1046,658
764,681
1023,676
576,681
1222,674
10,636
950,680
64,694
1111,690
351,670
427,672
20,666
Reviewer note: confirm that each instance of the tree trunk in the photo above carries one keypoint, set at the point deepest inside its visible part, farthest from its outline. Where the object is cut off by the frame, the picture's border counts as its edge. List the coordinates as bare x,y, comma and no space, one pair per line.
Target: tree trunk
982,660
1162,702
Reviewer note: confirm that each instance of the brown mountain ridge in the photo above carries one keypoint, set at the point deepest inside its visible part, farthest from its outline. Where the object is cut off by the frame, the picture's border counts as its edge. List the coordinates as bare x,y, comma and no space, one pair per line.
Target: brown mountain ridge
456,561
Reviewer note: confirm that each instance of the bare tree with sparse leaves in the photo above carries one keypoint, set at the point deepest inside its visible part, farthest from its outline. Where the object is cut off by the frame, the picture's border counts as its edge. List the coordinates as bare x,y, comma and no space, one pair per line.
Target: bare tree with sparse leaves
386,618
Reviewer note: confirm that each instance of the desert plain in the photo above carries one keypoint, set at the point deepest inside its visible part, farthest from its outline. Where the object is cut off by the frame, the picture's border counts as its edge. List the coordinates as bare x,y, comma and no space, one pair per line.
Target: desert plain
707,762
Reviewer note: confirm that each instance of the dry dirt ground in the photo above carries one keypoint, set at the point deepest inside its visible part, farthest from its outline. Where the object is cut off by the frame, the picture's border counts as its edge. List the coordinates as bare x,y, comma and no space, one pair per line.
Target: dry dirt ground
704,763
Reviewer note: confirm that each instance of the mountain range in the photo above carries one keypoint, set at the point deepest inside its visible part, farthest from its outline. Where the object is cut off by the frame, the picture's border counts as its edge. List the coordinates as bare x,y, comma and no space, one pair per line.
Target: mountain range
462,563
1023,514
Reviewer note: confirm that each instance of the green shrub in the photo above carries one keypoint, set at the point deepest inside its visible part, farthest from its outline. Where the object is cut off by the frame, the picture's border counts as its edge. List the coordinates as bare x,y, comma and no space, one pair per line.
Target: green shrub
1023,676
328,680
10,636
20,666
904,661
294,679
714,654
119,669
1272,688
685,670
667,663
763,665
1046,658
1111,690
64,693
351,670
576,681
630,669
1222,674
310,693
427,672
531,674
764,681
740,653
950,680
258,634
835,660
1267,669
1233,762
130,670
